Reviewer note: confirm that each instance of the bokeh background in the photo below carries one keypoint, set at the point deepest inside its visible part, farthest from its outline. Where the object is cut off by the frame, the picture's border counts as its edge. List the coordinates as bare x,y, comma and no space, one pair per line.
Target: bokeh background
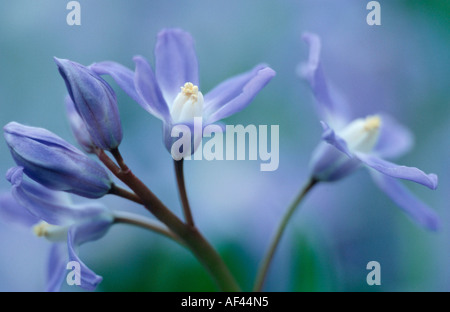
400,67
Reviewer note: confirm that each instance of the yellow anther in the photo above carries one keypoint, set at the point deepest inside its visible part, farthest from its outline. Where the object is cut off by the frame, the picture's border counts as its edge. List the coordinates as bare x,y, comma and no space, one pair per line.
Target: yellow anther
40,229
190,90
54,233
372,123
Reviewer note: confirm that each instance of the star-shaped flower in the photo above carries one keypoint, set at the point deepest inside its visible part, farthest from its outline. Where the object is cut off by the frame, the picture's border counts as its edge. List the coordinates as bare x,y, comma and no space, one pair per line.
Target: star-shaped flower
60,221
172,93
351,144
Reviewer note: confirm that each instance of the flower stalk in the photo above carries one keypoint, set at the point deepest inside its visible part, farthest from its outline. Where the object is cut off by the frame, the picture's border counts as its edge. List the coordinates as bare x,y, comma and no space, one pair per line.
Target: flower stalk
118,191
193,239
182,191
149,224
267,260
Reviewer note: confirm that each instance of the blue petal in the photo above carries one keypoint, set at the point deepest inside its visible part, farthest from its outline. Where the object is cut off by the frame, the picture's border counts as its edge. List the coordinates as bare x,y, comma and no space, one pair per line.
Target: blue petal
185,128
54,163
37,134
236,93
401,172
331,108
176,62
122,75
148,90
82,233
415,208
12,212
394,139
51,206
56,267
332,138
78,127
330,164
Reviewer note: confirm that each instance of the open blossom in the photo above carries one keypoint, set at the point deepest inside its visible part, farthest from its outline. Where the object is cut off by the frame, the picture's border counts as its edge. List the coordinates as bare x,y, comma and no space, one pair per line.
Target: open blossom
54,163
349,144
173,94
95,102
57,219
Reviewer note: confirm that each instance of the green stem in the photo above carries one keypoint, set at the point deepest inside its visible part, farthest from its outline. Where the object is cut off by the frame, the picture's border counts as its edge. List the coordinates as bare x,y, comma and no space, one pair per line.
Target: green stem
265,264
193,239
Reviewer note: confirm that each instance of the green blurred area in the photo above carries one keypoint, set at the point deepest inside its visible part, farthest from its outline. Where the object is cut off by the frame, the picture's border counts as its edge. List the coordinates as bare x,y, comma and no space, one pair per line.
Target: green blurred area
156,269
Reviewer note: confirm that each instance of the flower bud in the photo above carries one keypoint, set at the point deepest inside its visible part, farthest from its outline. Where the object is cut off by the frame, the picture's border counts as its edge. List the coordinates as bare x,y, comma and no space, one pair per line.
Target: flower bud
54,163
95,102
78,127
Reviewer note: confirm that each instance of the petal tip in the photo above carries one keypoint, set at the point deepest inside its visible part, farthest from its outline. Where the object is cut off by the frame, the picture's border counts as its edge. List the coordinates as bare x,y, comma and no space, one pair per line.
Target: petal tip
7,127
434,181
308,36
60,62
432,222
15,175
173,31
268,72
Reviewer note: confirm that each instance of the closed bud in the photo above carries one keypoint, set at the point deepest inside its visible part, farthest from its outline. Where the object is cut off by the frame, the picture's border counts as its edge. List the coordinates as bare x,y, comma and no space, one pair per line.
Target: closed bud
78,127
54,163
95,102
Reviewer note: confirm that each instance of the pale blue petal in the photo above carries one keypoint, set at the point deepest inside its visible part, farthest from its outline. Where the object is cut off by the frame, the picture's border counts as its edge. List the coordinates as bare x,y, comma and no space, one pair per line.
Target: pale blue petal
330,164
331,107
82,233
395,140
122,75
176,62
402,172
51,206
147,88
332,138
12,212
415,208
56,267
235,94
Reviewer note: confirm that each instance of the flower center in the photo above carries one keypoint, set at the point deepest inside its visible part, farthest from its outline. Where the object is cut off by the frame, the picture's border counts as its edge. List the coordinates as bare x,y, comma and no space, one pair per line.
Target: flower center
190,90
54,233
362,134
372,123
188,104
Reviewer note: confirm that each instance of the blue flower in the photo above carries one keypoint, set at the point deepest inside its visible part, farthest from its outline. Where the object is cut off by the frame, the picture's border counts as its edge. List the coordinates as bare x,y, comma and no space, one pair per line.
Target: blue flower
95,102
351,144
54,163
172,93
61,222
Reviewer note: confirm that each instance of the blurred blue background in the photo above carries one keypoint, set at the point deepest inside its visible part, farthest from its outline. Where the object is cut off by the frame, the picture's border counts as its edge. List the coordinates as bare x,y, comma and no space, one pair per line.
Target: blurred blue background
400,67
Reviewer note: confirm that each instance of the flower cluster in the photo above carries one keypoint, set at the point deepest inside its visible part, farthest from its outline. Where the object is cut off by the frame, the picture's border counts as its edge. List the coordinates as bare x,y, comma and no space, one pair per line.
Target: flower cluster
48,168
56,168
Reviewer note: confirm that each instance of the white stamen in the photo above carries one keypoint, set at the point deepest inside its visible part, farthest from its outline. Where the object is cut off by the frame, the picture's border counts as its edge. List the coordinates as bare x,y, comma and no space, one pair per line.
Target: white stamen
54,233
361,134
188,104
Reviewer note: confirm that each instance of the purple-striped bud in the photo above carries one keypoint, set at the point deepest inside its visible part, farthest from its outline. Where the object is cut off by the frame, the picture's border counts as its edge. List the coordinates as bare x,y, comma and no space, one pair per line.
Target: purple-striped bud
54,163
78,127
95,102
